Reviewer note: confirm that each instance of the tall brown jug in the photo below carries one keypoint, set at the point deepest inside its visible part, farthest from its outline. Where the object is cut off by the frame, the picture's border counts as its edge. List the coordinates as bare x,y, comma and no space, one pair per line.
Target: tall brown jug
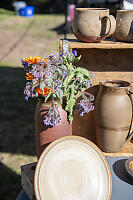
46,134
113,115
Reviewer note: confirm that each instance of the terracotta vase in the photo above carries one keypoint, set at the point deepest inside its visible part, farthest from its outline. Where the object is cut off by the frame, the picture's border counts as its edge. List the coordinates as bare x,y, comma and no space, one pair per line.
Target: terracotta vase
113,115
124,25
93,24
45,134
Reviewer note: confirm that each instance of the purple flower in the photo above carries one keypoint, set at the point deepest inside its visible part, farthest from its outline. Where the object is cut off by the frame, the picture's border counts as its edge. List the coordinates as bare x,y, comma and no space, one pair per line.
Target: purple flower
84,106
61,54
25,64
74,53
52,118
26,98
27,91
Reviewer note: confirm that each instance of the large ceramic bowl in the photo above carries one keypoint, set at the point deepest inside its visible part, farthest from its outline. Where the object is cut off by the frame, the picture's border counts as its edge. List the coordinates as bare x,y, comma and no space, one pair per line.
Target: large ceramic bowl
72,168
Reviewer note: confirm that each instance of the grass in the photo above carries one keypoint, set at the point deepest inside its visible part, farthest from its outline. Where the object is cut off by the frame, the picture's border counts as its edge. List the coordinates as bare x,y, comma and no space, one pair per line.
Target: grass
29,36
20,37
17,141
6,14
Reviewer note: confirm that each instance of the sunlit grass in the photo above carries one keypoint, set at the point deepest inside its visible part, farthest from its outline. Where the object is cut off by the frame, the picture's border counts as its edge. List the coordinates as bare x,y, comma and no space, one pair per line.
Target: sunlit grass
6,14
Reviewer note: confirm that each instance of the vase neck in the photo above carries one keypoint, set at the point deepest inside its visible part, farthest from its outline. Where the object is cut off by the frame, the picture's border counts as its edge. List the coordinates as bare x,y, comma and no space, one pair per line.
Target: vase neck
41,100
115,86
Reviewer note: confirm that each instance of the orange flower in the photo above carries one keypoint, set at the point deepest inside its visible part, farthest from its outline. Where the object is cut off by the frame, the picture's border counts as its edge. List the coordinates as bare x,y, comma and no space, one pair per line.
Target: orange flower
45,60
46,91
39,91
29,76
32,59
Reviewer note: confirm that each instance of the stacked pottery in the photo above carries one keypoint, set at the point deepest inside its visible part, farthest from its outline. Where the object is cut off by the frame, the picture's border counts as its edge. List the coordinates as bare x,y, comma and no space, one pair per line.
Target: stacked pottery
93,24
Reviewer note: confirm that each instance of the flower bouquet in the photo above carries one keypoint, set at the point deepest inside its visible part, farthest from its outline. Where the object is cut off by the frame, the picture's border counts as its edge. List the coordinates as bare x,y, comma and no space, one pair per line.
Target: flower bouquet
54,78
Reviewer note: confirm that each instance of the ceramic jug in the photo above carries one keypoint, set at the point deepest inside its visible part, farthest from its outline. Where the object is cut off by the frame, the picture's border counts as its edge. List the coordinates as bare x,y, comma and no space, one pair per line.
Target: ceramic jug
93,24
113,115
124,25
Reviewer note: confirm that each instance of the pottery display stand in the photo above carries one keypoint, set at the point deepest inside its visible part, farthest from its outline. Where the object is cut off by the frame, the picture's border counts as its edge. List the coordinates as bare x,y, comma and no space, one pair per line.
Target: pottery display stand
107,60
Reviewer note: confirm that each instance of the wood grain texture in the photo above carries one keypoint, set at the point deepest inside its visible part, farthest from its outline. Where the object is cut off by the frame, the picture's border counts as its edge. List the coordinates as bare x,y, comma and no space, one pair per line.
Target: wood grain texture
108,60
104,44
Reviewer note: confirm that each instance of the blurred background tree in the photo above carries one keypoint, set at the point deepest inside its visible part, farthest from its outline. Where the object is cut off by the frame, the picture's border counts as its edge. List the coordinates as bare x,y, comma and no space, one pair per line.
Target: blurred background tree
46,6
59,6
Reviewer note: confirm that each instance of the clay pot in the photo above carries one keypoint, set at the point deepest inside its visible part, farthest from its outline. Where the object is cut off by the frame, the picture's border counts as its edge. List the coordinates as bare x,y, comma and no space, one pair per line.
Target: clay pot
93,24
124,25
46,134
113,115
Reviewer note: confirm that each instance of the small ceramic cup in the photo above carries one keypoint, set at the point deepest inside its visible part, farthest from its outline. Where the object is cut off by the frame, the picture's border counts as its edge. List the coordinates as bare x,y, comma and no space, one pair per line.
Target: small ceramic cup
93,24
124,25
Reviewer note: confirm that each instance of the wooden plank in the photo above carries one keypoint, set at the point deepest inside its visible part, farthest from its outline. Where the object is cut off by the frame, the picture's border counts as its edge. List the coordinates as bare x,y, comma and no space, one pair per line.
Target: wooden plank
105,44
107,60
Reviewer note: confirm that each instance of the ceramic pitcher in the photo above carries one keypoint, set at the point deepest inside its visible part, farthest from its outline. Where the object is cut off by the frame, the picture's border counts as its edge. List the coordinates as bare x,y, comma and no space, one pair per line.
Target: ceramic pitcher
93,24
113,115
124,25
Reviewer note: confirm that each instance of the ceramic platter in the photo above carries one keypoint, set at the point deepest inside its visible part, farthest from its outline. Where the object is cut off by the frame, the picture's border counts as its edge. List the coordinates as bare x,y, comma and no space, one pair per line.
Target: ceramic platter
72,168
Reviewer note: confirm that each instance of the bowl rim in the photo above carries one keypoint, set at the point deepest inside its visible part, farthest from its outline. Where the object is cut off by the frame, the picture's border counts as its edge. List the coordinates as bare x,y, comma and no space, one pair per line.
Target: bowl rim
53,144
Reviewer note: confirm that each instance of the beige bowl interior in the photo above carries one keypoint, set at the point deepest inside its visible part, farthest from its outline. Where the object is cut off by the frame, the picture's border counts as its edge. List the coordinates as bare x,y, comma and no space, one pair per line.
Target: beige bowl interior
72,168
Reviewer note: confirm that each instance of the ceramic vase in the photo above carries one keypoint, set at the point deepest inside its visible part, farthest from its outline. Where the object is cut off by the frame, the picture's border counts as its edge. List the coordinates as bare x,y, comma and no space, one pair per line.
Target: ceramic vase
113,115
46,134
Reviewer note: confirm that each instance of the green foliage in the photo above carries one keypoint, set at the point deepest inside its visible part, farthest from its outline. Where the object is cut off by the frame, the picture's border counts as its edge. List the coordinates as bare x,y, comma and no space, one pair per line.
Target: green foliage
73,88
62,80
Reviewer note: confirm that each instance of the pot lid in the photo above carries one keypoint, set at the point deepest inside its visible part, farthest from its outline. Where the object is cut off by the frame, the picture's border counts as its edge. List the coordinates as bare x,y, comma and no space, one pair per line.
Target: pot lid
72,168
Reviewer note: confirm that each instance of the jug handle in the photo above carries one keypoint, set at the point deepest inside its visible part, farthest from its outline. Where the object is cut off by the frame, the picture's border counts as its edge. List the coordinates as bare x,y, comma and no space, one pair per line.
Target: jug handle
104,36
130,135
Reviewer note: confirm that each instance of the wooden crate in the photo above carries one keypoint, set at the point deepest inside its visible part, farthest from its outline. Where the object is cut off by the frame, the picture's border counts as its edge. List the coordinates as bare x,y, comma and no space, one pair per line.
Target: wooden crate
107,60
27,179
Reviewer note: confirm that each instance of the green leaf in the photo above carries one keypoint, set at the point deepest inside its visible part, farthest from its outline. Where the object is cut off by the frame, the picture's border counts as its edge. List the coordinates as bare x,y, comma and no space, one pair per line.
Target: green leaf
42,85
77,58
48,96
80,75
58,96
84,71
59,71
70,108
68,79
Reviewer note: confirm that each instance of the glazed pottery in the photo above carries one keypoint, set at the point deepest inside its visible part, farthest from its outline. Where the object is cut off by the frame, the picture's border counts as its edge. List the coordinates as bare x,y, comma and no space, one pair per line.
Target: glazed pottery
93,24
129,167
72,168
46,134
113,115
124,25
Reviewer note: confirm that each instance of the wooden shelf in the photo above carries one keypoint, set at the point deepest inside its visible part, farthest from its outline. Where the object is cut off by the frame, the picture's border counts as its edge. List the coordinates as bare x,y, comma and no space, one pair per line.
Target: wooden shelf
107,60
106,44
